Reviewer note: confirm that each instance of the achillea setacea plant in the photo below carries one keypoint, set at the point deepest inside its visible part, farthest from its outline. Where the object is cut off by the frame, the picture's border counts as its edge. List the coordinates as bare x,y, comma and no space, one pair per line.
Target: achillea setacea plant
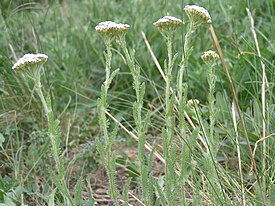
109,31
210,58
197,15
31,65
167,26
140,121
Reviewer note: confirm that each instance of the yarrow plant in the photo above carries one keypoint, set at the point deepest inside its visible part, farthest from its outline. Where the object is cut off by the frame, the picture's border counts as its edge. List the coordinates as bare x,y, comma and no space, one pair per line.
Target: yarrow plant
109,31
167,26
30,65
197,15
140,121
211,58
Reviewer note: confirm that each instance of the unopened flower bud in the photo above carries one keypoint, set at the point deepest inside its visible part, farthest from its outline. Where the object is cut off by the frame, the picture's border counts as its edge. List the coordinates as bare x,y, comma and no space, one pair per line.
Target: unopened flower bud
210,57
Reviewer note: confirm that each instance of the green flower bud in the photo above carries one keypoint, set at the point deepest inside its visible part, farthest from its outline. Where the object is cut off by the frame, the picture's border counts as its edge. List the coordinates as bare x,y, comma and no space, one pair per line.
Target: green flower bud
210,57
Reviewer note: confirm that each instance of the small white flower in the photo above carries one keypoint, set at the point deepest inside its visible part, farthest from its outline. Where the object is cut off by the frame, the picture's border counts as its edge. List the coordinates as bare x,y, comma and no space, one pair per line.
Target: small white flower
30,60
197,14
210,57
193,102
168,23
111,29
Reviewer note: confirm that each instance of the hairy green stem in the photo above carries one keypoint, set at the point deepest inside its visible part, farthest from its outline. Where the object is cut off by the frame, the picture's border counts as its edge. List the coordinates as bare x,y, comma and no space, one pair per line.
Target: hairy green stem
53,130
53,138
105,88
103,106
169,122
137,112
211,78
182,97
182,91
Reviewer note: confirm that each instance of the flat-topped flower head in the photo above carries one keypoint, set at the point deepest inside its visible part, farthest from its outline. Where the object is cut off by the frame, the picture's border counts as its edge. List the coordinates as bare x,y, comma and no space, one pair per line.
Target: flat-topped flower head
168,23
30,60
31,64
197,15
210,57
111,29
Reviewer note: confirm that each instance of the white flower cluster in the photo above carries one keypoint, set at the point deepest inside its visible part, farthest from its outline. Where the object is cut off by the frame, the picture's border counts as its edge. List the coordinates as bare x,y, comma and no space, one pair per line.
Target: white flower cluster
210,57
168,23
29,60
197,14
112,29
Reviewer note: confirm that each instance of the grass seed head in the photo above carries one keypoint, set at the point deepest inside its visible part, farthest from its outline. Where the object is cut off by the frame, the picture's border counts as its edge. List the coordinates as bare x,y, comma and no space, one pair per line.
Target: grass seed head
168,23
198,15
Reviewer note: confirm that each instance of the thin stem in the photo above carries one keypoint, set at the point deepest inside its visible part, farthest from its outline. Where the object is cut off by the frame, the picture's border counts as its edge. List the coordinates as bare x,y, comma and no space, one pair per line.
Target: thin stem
48,111
211,78
187,44
38,89
137,109
182,95
211,98
183,90
111,177
168,91
54,138
184,61
105,88
104,124
169,130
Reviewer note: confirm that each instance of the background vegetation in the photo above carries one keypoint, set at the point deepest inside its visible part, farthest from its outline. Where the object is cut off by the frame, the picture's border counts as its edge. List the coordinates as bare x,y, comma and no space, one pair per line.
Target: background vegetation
64,30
